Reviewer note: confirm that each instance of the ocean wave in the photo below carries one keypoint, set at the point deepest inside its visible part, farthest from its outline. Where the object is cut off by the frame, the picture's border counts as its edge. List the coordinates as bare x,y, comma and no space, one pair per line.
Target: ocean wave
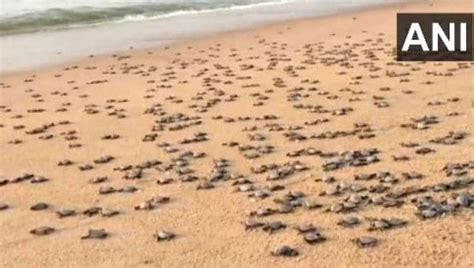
58,18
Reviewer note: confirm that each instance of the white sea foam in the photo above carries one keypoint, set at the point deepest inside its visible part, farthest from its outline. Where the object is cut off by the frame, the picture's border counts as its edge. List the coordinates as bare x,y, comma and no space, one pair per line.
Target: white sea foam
53,15
141,30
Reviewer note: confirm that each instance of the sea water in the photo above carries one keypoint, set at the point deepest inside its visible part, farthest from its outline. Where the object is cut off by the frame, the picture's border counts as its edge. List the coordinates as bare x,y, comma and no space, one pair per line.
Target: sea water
35,33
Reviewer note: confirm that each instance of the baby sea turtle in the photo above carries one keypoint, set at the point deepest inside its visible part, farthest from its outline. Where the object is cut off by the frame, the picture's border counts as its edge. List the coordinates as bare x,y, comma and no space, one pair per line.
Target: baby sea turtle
463,200
357,188
110,136
4,181
123,167
65,162
188,178
38,179
365,241
314,237
326,179
276,187
128,189
86,167
333,190
164,235
379,225
348,206
42,230
3,206
95,234
108,212
305,228
107,190
285,251
146,205
273,175
348,221
205,185
311,204
39,206
184,171
429,213
273,226
299,167
162,181
62,213
133,174
354,198
400,157
98,179
336,207
424,150
92,211
103,159
240,180
262,212
260,194
251,224
396,222
245,188
412,175
286,208
160,199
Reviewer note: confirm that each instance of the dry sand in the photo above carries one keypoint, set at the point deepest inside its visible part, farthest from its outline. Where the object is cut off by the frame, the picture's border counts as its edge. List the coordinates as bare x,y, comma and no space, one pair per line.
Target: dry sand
324,64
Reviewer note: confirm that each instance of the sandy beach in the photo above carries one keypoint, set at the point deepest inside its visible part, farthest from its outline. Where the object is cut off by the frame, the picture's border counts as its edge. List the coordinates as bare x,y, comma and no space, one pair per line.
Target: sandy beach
219,151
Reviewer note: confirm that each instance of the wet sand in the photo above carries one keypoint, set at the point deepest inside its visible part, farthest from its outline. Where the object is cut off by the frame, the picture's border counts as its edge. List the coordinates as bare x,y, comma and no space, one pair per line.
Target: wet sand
277,112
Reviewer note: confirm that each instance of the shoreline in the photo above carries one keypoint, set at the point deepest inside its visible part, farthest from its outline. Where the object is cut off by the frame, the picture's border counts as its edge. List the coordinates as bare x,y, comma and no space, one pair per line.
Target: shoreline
186,39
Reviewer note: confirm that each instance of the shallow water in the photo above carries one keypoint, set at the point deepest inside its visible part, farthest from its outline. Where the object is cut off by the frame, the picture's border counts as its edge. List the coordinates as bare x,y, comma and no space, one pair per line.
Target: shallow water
32,50
31,16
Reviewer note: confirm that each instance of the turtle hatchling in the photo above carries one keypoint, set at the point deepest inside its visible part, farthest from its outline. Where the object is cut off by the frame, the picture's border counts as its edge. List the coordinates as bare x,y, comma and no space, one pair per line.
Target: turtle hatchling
311,204
365,241
106,190
103,159
38,179
86,167
146,205
160,199
95,234
162,181
260,194
133,174
205,185
379,225
92,211
98,179
273,226
245,188
39,206
313,237
396,222
62,213
262,212
286,208
164,235
251,224
108,212
304,228
128,189
348,221
42,230
285,251
3,206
